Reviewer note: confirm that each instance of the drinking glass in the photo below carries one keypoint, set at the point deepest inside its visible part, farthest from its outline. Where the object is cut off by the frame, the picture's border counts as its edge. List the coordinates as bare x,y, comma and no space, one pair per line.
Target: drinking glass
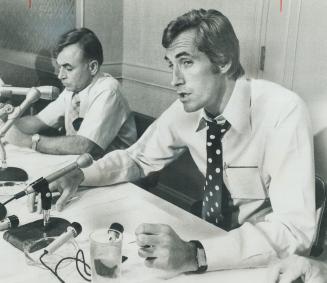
106,255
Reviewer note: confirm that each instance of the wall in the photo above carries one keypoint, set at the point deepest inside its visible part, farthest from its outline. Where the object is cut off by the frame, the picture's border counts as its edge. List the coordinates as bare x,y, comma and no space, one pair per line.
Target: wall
105,18
296,52
145,74
27,35
310,73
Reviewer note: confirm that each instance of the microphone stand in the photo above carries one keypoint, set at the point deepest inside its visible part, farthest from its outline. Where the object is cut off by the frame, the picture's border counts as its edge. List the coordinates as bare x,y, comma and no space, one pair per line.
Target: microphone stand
42,186
8,174
12,173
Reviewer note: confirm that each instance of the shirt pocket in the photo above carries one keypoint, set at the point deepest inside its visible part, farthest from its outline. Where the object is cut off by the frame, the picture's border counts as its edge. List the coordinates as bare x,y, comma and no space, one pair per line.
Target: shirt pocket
244,182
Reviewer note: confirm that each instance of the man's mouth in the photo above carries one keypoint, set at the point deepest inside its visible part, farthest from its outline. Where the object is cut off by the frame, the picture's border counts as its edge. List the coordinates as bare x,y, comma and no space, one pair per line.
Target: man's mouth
183,94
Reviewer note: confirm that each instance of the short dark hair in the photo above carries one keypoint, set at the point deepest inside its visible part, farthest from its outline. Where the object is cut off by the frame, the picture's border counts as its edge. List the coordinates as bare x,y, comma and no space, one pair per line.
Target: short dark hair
215,37
87,40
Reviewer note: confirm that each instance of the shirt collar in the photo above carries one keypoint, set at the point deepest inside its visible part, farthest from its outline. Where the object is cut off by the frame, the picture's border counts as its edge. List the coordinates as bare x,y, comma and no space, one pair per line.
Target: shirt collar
203,117
237,110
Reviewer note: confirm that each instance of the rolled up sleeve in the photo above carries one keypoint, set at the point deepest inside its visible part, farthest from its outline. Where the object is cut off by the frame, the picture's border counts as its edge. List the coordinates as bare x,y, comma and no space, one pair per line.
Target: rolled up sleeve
158,146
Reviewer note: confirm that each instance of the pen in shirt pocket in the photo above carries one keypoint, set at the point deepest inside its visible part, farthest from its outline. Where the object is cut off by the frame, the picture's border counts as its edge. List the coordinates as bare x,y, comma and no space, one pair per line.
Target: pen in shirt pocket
228,166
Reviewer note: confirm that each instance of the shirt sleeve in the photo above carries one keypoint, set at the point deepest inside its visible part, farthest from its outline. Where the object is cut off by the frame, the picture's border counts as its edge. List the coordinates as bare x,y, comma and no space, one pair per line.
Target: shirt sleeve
105,116
290,227
53,114
158,146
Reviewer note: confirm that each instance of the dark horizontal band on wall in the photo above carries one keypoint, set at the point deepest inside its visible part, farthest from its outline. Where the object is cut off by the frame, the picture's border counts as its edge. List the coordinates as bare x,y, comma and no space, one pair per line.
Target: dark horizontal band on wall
145,75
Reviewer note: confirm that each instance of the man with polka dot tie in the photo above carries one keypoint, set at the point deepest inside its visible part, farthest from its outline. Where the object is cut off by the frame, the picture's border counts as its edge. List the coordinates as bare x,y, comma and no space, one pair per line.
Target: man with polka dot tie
252,140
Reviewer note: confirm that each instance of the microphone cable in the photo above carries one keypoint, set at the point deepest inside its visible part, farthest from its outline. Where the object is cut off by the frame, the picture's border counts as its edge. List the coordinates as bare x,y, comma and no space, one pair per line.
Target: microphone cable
9,200
49,268
114,226
77,260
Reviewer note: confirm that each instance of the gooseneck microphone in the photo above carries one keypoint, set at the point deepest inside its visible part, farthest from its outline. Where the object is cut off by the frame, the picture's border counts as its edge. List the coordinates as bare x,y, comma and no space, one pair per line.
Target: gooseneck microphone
14,173
32,96
9,222
72,232
83,161
47,92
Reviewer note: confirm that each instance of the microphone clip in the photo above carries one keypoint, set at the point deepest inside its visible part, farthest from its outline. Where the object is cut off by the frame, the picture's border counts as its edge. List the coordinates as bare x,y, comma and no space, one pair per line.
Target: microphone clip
41,186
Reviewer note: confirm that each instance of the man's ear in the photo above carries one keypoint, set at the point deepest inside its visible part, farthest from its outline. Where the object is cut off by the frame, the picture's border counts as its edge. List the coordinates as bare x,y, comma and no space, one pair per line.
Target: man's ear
225,68
93,67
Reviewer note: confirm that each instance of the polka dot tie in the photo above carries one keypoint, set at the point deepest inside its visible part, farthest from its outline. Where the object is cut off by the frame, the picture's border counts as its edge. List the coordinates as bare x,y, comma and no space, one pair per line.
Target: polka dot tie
73,114
213,188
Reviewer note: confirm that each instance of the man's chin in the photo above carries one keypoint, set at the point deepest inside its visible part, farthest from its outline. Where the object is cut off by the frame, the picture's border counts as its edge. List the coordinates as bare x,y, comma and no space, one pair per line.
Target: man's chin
69,88
189,108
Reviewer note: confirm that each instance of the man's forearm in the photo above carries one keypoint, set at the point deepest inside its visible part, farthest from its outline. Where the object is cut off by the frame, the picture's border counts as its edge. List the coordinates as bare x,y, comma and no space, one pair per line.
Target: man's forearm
65,145
30,125
115,167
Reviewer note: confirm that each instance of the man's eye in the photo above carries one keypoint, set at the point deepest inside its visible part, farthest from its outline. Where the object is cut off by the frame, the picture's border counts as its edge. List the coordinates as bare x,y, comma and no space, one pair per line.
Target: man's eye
187,63
170,66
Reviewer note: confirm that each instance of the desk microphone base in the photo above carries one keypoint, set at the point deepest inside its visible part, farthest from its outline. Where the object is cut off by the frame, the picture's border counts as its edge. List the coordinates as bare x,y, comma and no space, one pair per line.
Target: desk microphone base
34,231
13,174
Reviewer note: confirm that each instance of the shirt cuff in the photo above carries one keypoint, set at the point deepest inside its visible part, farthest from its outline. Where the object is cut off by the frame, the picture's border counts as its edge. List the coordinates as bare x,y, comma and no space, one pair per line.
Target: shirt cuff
90,176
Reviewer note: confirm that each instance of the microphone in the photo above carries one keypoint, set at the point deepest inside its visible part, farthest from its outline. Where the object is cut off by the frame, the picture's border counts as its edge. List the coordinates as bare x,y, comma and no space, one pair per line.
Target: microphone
113,231
47,92
32,96
83,161
13,173
72,232
9,222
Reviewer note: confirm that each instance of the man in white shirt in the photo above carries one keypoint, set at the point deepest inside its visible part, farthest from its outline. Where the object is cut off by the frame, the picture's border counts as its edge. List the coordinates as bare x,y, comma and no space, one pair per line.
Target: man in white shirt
91,108
266,155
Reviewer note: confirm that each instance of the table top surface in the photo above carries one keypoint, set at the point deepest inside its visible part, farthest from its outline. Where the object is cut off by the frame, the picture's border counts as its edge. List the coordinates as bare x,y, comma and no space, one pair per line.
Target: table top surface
96,208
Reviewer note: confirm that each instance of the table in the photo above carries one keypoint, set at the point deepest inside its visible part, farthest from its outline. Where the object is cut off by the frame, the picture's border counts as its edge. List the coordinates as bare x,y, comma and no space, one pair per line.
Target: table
96,208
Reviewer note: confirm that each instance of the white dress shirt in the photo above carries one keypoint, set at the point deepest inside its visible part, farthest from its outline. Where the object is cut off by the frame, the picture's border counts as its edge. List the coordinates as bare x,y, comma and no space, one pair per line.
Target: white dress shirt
107,119
267,153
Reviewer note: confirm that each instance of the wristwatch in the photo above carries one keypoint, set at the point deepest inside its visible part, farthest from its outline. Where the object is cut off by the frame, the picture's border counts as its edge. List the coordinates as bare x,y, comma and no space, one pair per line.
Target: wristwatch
35,141
200,257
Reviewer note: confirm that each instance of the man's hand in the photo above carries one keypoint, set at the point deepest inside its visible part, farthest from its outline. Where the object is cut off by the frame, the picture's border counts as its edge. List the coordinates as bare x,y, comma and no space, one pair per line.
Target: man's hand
162,248
295,267
67,186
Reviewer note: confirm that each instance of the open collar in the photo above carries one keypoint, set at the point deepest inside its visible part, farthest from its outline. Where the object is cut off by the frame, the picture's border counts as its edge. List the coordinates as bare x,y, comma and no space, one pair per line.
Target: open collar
237,110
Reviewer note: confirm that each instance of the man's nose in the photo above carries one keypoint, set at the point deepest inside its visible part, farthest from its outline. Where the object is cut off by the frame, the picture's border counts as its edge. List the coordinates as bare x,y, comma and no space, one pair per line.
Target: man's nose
61,74
178,77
